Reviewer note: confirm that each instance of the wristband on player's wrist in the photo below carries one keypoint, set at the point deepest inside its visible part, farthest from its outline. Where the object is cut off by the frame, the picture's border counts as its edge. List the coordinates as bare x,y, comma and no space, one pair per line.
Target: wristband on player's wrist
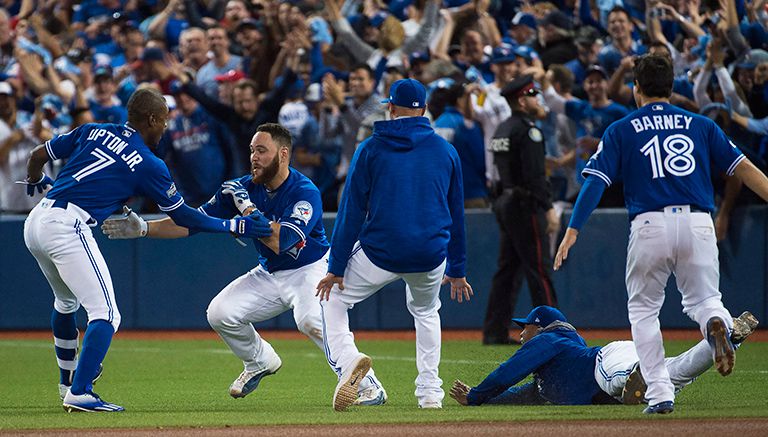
42,178
143,227
245,207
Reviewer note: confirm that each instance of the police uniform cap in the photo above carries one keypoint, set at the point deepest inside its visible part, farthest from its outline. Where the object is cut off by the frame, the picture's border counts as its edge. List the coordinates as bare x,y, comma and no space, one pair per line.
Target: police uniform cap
522,86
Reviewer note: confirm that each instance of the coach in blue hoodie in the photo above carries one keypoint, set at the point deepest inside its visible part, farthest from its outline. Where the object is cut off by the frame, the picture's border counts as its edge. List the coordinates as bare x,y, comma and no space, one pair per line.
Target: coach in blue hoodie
401,216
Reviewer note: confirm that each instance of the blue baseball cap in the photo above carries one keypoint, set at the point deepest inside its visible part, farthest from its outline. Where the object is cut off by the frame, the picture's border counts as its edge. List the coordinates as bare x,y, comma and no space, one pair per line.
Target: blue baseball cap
523,19
503,53
542,316
407,93
526,53
377,19
418,57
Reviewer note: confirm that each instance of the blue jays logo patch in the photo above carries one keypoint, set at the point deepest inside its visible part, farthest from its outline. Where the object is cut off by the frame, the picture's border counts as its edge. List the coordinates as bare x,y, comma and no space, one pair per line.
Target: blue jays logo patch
171,191
302,211
295,251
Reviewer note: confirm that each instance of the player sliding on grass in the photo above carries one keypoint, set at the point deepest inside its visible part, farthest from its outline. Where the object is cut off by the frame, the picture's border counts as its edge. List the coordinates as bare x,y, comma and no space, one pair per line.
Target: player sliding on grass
291,260
567,372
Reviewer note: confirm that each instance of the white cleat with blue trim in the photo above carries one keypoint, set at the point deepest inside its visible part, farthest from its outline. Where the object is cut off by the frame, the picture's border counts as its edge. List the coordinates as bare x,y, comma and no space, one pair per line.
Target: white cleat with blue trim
88,402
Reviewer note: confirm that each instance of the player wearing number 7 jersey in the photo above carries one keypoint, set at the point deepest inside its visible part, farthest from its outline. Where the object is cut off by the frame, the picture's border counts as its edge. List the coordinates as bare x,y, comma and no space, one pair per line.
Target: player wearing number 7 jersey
107,164
664,156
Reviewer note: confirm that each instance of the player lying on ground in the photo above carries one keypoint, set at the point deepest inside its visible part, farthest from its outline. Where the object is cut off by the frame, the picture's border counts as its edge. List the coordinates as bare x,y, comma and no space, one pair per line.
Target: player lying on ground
567,372
291,260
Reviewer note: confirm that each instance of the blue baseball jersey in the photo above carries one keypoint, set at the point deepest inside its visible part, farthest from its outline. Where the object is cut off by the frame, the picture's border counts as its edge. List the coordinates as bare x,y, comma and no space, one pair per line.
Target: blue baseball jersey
107,164
664,156
296,206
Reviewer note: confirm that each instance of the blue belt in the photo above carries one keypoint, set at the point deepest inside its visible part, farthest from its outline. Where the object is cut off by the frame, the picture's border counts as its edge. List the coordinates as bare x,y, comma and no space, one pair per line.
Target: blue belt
58,203
693,209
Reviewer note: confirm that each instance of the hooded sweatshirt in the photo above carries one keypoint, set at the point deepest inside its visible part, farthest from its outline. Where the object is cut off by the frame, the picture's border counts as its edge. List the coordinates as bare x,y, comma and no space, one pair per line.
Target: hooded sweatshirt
404,202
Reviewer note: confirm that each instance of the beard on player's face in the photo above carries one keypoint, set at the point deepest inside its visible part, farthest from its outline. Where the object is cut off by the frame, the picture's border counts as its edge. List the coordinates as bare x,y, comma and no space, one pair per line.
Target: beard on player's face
264,174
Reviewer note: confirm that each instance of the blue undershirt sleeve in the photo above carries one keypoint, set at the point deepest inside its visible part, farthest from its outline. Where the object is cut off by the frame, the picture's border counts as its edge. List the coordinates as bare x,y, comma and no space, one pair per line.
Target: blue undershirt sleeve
589,197
196,221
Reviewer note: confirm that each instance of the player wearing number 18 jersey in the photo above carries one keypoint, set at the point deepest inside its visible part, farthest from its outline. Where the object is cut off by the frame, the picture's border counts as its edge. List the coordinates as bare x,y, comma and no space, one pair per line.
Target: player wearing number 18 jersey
664,156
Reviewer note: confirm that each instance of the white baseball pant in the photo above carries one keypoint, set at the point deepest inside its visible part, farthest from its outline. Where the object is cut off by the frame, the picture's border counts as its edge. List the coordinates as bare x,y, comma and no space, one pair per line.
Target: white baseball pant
616,360
61,241
661,243
362,279
258,296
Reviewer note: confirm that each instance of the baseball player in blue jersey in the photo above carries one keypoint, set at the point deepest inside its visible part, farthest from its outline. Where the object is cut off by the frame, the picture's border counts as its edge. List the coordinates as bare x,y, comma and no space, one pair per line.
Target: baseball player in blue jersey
568,372
664,156
291,260
106,164
401,217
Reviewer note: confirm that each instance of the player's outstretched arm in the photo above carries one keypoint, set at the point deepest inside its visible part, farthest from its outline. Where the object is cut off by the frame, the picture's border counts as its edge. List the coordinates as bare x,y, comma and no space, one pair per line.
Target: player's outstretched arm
459,392
130,225
752,178
589,197
569,240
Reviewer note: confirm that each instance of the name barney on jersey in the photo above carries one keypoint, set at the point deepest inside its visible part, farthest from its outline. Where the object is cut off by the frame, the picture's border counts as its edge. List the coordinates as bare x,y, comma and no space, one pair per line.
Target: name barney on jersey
116,144
661,122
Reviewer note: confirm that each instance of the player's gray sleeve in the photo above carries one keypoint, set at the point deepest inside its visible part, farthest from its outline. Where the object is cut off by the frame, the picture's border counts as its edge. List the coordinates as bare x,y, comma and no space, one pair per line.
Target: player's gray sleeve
756,126
730,94
700,88
358,48
429,22
555,101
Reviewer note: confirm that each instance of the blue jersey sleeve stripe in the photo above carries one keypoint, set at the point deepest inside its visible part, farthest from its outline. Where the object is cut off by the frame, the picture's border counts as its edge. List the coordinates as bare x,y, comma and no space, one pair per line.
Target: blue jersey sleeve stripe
50,151
732,168
295,229
172,207
201,209
598,173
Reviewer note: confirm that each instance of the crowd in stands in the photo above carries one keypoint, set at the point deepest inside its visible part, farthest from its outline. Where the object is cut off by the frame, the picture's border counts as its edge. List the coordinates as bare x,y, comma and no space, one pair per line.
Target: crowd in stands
321,68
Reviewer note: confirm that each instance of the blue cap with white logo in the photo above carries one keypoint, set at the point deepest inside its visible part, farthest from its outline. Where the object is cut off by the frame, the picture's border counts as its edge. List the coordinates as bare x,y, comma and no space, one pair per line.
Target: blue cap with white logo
407,93
542,316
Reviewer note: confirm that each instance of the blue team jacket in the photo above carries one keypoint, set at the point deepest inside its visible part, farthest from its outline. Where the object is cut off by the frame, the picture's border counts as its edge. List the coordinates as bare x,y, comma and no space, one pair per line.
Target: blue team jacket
404,202
562,364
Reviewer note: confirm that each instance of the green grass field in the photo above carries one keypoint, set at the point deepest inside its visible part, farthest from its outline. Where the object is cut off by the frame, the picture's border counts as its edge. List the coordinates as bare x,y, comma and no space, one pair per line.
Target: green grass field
185,383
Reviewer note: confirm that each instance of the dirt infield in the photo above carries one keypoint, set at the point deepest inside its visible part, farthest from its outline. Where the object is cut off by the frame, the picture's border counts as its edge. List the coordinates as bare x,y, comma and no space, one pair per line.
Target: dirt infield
589,334
635,428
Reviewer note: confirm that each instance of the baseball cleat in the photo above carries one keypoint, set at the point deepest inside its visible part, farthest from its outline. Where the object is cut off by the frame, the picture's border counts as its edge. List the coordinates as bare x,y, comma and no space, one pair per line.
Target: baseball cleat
248,381
372,396
431,404
720,343
634,389
88,402
665,407
64,388
346,390
743,326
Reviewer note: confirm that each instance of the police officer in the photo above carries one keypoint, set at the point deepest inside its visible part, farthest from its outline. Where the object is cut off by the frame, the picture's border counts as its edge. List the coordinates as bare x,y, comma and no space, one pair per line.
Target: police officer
523,210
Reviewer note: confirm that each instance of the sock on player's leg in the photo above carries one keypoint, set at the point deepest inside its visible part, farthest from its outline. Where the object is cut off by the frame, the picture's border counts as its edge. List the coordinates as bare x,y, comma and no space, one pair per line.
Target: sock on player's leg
65,336
96,343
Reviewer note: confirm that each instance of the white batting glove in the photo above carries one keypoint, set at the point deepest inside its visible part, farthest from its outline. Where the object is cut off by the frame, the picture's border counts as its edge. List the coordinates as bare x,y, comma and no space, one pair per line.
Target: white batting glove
130,226
239,195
